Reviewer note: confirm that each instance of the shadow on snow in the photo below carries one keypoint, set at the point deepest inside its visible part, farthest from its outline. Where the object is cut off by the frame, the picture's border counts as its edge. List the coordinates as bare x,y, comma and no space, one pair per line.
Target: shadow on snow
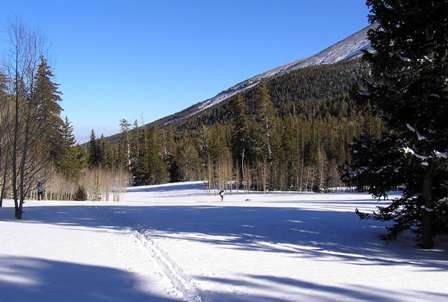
34,279
296,232
307,291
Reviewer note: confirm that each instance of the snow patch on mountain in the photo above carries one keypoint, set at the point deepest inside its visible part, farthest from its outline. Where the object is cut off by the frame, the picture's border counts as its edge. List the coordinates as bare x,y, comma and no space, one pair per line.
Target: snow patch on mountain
349,48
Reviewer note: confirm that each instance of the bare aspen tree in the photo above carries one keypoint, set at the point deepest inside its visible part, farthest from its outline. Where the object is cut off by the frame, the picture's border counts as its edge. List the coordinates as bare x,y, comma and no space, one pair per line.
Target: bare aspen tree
27,123
4,124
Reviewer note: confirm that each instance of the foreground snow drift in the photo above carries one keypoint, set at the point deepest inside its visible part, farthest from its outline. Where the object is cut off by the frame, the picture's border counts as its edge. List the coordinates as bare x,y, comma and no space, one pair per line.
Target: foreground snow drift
178,242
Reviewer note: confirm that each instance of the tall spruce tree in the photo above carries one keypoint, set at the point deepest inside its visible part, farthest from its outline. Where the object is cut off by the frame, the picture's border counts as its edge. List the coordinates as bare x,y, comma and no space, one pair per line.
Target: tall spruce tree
48,96
72,160
242,142
125,149
67,133
266,115
95,152
158,170
408,88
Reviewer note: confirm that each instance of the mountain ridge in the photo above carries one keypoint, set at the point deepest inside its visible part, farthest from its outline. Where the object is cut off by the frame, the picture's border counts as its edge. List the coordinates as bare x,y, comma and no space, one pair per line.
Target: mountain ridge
348,48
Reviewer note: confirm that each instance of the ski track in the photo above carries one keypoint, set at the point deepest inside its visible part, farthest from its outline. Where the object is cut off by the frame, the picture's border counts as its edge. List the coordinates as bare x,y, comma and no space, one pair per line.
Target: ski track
181,282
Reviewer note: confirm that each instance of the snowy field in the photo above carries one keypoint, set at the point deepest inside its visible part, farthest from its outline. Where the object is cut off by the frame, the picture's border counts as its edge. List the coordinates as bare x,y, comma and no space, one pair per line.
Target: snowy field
178,242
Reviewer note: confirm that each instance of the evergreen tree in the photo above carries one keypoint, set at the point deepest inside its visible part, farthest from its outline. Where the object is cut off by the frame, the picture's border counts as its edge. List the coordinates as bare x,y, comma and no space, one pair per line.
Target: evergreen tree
48,97
107,154
265,113
68,137
137,157
409,89
72,160
125,149
174,170
242,142
95,152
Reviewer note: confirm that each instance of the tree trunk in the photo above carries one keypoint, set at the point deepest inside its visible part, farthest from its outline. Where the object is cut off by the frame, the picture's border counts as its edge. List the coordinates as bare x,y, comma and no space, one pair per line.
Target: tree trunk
5,175
427,240
242,168
14,152
264,176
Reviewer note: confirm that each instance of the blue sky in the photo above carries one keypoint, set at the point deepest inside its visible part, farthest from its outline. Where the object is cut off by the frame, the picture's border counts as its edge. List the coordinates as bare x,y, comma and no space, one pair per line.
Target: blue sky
139,59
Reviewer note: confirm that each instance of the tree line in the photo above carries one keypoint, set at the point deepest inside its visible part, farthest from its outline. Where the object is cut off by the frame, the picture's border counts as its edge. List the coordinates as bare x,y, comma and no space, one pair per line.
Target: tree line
289,133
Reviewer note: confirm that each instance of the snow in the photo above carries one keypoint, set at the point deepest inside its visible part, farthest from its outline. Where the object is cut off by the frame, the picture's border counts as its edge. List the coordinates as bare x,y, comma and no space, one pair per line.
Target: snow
409,150
349,48
178,242
412,129
442,155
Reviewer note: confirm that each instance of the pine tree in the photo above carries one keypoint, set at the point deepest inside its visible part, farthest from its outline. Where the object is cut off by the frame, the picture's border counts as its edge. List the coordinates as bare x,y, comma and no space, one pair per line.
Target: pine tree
409,89
137,157
48,96
72,160
95,152
106,150
241,140
266,115
125,149
68,137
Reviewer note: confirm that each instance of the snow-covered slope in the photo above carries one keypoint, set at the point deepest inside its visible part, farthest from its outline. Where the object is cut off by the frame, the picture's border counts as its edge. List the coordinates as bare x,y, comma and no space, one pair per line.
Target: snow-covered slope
347,49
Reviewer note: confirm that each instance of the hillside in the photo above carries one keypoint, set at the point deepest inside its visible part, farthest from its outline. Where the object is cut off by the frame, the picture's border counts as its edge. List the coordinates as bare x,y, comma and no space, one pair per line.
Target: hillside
348,49
311,91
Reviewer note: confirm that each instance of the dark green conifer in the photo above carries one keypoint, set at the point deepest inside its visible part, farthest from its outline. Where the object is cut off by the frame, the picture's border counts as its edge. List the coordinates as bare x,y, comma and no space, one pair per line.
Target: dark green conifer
408,88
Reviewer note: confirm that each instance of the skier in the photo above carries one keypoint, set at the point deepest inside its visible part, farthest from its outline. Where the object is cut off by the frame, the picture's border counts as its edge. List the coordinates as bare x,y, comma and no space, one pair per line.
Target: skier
40,190
221,195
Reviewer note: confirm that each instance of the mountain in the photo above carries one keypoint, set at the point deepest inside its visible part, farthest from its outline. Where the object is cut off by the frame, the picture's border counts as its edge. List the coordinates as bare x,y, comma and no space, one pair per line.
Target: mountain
313,120
347,49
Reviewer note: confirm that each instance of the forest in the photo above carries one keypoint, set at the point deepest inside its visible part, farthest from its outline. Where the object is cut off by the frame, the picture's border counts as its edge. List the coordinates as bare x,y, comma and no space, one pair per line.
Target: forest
289,133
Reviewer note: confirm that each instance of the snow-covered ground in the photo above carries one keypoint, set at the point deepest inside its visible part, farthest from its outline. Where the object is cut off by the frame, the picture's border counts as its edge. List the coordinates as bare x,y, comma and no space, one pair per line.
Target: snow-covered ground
178,242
